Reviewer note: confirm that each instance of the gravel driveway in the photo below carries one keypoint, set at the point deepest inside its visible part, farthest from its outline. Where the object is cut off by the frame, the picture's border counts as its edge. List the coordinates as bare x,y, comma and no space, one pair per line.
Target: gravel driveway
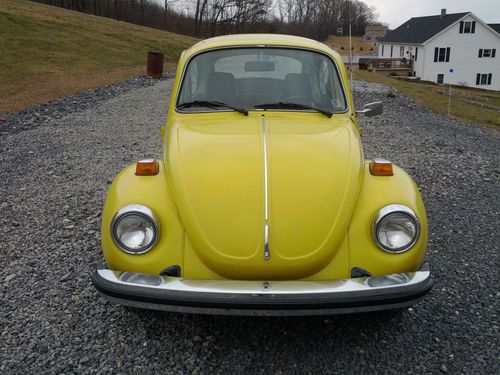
53,180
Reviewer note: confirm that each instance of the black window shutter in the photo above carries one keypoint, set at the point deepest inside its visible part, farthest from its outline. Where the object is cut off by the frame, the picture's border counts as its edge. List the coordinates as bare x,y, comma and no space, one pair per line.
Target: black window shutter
493,52
391,50
461,27
436,51
416,53
478,78
480,52
473,29
447,54
489,79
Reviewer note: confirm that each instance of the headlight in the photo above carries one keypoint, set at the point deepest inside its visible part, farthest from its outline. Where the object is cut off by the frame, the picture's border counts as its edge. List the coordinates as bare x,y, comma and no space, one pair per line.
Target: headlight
135,229
396,228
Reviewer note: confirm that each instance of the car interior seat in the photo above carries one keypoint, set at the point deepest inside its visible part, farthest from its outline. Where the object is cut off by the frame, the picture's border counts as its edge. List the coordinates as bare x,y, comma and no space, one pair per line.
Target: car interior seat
298,88
221,87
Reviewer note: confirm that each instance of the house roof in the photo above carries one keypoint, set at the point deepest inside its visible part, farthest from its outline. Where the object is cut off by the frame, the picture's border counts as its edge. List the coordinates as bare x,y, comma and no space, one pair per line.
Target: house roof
495,26
419,29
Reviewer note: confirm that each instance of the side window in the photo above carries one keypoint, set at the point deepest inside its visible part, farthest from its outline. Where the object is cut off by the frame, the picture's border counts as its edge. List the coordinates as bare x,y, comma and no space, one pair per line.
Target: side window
330,86
467,27
487,52
323,78
192,87
483,79
194,79
442,54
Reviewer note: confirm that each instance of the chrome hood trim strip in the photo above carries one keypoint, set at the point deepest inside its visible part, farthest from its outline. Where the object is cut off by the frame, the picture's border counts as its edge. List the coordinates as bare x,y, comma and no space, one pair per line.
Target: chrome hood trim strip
267,252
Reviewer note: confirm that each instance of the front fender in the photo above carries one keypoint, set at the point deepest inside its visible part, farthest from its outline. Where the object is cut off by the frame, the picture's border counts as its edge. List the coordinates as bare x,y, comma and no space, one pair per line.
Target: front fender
153,192
377,192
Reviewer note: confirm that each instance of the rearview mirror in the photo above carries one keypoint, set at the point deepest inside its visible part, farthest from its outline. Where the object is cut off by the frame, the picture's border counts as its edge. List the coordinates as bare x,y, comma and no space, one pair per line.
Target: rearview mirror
372,109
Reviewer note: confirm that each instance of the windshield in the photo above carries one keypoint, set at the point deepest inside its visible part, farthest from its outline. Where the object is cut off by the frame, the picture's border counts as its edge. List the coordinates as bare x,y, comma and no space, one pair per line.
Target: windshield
267,78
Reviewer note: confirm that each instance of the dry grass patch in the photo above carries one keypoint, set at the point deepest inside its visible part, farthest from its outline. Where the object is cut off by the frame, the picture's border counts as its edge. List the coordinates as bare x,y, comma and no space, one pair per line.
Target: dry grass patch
470,104
359,47
48,52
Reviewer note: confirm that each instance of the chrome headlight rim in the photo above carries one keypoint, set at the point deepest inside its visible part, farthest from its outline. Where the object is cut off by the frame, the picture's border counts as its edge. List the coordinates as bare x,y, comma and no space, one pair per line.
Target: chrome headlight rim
139,210
393,209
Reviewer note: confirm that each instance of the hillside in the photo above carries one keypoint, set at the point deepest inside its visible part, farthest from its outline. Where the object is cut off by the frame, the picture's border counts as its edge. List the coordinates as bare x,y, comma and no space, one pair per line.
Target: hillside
48,52
360,47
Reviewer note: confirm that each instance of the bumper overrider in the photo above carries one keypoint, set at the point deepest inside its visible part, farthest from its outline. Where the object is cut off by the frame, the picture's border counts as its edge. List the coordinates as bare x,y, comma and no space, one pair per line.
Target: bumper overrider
242,297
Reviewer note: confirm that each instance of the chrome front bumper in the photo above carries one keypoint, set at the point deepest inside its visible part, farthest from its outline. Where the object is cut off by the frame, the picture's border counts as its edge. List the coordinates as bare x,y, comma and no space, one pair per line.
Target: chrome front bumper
241,297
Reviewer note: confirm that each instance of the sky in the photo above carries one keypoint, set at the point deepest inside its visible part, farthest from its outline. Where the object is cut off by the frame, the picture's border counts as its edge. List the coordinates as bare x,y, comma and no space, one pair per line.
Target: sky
396,12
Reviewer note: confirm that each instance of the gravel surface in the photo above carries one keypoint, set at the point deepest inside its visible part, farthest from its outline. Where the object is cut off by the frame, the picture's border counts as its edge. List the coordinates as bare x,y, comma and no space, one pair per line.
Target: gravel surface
57,109
53,180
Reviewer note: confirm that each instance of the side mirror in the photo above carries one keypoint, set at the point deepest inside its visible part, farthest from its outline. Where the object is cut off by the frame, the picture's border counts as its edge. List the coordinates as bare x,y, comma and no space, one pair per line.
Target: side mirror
372,109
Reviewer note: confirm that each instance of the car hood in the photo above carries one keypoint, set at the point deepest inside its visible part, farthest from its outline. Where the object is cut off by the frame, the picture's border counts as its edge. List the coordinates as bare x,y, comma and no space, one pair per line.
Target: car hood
216,170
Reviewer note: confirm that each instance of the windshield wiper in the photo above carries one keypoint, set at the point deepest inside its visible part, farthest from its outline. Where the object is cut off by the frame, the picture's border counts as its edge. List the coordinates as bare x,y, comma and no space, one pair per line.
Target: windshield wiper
210,103
286,105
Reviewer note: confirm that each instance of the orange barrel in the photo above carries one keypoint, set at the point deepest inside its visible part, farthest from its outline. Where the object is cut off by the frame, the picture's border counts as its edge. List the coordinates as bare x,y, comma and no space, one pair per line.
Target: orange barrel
155,64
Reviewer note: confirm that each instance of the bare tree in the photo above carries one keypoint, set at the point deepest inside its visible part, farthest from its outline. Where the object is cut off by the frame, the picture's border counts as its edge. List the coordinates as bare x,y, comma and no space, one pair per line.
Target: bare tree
203,18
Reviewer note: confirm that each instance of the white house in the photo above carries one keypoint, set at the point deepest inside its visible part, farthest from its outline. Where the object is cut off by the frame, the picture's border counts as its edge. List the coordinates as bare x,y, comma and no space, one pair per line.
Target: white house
373,33
454,48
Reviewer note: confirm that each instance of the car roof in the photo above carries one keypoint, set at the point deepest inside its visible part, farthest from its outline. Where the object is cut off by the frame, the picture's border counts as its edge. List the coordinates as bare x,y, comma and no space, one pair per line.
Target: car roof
260,40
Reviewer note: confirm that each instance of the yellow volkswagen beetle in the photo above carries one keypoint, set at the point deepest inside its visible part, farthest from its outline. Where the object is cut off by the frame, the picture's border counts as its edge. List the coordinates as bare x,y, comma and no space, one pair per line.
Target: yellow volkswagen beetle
262,203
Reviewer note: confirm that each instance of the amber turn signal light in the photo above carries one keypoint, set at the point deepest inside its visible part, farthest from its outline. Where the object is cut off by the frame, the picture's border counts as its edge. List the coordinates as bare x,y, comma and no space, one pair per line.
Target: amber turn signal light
147,167
381,167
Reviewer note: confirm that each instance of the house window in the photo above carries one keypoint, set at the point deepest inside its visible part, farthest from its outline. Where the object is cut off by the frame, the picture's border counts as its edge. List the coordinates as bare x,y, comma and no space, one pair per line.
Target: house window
401,51
368,38
487,52
467,27
440,78
442,54
483,78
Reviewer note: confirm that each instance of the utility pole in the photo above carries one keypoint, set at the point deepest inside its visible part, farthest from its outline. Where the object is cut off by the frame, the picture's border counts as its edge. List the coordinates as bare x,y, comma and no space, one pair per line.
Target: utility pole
350,46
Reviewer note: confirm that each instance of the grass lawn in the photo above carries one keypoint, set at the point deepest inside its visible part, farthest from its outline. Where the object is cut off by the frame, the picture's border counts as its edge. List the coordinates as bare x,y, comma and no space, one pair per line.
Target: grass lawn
48,52
470,104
